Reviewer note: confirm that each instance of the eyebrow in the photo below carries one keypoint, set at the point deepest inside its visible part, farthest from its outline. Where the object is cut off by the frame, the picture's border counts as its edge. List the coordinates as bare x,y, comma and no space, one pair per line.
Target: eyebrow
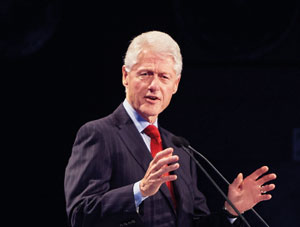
151,70
144,69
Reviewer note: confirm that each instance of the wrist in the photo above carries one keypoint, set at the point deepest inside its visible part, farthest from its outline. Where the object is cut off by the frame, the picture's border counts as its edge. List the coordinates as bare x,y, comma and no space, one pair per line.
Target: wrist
229,212
141,187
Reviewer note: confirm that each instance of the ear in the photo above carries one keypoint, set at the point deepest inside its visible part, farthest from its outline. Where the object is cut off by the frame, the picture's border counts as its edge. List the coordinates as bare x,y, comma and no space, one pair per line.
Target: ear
124,76
176,84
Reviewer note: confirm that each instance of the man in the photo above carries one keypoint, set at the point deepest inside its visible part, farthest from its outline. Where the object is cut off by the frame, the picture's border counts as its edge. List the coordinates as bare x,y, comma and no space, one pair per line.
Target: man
114,177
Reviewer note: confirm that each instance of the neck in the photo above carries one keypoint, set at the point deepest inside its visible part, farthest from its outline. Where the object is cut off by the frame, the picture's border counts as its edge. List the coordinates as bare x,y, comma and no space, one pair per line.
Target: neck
150,119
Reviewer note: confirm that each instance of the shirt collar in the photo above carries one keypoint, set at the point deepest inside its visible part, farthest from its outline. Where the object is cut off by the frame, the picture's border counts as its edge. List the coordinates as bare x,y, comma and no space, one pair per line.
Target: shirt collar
139,122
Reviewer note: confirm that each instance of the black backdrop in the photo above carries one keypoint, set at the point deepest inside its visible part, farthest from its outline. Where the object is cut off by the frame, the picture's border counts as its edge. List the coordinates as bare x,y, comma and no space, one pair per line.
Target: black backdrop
238,101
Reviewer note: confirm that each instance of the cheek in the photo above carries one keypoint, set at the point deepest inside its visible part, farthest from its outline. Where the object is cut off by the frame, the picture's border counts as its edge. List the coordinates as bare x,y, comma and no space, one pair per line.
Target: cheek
167,96
136,89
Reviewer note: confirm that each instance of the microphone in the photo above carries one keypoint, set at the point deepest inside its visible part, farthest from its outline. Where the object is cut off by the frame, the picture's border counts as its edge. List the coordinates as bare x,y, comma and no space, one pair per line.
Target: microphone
182,142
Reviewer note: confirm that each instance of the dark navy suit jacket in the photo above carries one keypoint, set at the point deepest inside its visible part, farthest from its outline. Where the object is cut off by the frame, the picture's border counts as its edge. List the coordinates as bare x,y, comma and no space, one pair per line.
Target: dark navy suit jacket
108,157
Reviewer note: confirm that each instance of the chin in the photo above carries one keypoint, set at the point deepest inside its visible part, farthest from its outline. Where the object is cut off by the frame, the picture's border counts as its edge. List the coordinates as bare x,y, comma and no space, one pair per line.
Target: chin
149,114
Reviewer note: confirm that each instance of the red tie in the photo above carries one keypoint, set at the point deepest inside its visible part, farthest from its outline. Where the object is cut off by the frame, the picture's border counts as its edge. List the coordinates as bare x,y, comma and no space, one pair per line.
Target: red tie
156,146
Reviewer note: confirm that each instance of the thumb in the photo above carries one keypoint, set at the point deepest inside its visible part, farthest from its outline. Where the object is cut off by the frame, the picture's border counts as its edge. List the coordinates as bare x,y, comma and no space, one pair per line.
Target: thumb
238,180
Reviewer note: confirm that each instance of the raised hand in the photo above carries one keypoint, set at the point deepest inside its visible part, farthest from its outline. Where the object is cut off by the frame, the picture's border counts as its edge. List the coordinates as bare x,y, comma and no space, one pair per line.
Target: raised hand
156,173
246,193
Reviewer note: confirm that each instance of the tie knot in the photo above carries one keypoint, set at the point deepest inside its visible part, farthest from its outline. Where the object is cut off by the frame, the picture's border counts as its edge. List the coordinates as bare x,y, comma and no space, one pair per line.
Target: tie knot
152,131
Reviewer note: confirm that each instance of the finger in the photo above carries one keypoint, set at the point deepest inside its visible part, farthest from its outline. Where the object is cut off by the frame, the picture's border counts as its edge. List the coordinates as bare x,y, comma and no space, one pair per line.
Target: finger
267,188
165,162
165,169
257,173
163,153
265,197
266,178
237,181
164,179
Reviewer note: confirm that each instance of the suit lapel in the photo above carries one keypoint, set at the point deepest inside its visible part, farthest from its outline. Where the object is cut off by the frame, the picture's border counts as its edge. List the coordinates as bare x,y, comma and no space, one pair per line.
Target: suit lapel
180,183
132,138
136,145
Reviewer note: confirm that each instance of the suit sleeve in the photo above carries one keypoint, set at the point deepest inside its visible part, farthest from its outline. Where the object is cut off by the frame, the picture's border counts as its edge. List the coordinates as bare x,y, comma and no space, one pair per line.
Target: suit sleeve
90,200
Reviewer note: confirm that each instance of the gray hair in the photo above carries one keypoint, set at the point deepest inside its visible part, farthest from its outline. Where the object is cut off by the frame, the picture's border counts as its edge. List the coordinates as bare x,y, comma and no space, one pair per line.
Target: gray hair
157,41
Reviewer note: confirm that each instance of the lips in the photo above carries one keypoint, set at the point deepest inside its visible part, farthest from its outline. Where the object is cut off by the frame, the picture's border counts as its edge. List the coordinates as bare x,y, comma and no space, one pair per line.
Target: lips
152,98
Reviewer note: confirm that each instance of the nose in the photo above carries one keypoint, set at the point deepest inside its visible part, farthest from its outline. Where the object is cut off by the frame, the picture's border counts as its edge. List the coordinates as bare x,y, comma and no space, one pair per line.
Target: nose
154,83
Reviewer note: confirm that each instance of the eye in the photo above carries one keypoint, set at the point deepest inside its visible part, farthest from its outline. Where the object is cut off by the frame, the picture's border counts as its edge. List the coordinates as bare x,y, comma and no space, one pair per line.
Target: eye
146,73
165,76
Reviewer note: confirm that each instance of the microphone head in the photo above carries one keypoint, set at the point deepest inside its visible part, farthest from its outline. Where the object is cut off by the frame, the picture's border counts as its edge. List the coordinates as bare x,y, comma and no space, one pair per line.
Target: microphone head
180,141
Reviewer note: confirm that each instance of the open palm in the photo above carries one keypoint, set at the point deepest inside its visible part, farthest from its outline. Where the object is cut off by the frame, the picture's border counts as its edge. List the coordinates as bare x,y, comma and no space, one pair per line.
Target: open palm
246,193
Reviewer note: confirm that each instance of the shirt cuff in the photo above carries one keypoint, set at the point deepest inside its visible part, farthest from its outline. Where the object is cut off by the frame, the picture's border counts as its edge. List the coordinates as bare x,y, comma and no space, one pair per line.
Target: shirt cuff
231,220
138,198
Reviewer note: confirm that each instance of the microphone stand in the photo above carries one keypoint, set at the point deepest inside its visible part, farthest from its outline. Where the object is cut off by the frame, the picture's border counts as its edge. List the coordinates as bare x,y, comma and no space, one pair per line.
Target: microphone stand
227,182
216,185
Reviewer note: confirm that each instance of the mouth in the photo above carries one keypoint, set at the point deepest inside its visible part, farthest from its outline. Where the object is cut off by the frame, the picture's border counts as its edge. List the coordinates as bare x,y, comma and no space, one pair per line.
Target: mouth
152,98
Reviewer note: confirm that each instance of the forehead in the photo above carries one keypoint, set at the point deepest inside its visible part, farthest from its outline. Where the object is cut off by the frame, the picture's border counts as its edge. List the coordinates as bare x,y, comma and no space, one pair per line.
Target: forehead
154,60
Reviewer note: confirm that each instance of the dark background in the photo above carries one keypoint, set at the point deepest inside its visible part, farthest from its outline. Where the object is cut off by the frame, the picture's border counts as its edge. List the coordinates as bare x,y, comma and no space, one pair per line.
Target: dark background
238,101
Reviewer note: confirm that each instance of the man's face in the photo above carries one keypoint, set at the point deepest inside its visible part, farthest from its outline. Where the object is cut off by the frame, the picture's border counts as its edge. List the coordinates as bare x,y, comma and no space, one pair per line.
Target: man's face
151,83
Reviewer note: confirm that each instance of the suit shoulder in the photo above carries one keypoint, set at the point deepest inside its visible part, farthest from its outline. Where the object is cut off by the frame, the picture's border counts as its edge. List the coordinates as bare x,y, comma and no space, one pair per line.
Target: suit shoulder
107,123
100,124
